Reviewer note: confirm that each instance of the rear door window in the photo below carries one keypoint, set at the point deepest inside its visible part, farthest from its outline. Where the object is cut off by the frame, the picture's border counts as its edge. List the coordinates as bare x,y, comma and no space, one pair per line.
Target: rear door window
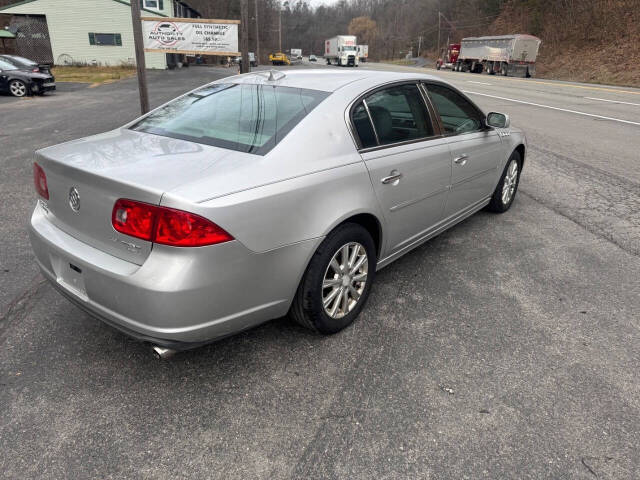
362,124
246,118
399,114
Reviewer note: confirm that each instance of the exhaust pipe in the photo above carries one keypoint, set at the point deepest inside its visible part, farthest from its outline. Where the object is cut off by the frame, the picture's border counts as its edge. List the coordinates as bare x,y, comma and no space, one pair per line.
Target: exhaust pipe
162,353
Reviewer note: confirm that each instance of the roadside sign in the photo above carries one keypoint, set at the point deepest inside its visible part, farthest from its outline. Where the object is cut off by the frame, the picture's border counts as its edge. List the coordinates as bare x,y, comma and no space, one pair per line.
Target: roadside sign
195,36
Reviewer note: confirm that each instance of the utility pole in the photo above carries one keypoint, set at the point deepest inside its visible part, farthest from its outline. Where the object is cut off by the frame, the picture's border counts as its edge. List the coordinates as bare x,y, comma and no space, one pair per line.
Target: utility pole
438,51
419,44
244,36
140,62
280,28
257,35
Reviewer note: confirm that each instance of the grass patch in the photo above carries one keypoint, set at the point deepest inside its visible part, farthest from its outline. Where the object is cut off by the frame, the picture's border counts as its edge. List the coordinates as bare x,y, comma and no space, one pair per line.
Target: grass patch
93,75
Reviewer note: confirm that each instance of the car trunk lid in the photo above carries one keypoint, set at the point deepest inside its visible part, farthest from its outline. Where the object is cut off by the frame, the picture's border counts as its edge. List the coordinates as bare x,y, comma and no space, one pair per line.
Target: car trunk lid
85,178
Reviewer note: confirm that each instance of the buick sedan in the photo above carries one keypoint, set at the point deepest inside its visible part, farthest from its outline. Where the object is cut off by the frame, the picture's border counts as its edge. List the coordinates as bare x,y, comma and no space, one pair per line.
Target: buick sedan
262,195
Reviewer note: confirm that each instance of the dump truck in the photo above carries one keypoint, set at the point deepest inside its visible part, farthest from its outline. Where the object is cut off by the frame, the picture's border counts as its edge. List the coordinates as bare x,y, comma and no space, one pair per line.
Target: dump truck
513,55
450,57
342,50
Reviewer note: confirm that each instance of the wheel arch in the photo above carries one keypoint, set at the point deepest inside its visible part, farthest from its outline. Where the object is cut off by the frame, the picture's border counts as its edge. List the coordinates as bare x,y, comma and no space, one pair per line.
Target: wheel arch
521,150
371,224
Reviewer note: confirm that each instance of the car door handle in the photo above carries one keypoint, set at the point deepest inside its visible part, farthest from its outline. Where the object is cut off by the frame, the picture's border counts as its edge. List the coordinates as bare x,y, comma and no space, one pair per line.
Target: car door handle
461,160
393,178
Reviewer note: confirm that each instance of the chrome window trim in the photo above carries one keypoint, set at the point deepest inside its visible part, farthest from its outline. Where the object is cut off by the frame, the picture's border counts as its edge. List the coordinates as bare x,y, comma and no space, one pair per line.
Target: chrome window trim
373,125
354,133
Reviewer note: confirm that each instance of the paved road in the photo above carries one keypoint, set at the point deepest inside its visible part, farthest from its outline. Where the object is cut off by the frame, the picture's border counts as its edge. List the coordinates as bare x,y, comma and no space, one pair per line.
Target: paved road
508,347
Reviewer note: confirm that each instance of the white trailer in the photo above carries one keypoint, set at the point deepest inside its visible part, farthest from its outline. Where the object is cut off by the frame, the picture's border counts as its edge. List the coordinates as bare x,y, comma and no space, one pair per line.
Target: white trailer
505,54
342,50
363,52
296,54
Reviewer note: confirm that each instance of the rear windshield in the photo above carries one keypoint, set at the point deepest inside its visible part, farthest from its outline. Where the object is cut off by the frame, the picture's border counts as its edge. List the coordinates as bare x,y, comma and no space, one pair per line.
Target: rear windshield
246,118
20,61
5,65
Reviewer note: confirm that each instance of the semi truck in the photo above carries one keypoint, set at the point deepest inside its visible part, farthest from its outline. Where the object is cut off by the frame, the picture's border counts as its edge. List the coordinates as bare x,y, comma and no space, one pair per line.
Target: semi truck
342,50
450,57
363,52
513,55
296,54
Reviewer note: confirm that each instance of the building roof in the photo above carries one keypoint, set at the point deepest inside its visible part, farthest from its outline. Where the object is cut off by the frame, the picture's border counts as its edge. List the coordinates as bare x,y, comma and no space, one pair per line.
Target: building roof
123,2
6,34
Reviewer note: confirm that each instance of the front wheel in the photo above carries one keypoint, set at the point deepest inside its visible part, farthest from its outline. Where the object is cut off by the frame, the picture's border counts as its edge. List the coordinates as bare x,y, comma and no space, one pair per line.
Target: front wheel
507,187
18,88
337,281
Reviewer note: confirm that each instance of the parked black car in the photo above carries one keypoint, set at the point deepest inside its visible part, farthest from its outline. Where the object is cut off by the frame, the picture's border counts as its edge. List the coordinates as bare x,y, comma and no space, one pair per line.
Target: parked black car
27,64
20,76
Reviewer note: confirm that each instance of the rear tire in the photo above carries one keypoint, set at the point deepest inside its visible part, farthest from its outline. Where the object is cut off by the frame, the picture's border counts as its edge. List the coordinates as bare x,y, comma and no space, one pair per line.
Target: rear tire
321,303
507,187
18,88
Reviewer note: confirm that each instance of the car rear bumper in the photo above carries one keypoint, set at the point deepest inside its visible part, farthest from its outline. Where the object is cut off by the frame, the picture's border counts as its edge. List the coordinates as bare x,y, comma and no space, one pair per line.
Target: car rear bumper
179,297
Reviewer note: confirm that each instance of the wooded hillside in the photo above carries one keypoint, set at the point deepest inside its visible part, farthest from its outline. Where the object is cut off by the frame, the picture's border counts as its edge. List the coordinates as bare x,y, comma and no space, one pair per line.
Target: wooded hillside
588,40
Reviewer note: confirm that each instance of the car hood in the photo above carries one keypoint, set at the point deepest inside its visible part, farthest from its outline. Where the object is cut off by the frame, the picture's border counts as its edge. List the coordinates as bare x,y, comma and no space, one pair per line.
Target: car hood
155,163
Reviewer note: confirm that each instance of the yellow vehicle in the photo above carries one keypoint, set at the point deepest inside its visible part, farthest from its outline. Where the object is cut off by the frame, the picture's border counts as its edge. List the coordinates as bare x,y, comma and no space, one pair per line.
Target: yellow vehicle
279,59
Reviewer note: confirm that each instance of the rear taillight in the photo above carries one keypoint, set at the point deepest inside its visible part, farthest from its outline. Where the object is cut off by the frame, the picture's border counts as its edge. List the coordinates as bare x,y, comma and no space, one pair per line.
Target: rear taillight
35,70
40,181
164,225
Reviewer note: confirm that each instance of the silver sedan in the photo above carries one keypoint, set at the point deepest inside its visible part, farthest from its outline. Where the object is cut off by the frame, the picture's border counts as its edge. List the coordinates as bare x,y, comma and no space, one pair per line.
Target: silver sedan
264,194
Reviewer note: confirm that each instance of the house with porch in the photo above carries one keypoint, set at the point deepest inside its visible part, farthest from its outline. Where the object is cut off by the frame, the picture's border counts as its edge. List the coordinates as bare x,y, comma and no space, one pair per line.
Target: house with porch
94,32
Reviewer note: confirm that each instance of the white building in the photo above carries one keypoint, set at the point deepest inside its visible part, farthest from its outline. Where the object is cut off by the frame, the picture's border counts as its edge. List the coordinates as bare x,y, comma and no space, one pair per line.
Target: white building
87,31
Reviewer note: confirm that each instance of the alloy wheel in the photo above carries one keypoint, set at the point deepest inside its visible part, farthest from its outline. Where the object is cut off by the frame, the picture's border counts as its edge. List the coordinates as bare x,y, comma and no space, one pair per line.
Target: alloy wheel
510,182
17,89
344,280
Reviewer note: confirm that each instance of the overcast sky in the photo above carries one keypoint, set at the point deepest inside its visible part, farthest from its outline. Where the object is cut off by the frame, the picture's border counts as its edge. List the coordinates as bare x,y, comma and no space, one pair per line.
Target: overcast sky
316,3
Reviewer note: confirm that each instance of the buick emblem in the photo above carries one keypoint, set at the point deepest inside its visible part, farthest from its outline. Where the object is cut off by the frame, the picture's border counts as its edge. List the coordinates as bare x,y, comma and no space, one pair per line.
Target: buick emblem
74,199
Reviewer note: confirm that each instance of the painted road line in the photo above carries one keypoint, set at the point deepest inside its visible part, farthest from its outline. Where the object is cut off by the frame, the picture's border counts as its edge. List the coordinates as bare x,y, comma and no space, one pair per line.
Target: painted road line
560,84
479,83
613,101
555,108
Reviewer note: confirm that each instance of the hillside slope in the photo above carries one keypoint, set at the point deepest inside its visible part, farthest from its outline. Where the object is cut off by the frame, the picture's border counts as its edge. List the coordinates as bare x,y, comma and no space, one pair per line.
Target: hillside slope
582,40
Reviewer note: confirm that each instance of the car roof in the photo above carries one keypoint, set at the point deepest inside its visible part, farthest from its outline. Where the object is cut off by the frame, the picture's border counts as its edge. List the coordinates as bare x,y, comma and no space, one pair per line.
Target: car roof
328,80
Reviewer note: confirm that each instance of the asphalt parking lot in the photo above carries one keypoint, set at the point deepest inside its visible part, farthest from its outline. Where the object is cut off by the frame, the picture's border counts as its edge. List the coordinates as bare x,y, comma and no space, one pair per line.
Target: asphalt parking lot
507,347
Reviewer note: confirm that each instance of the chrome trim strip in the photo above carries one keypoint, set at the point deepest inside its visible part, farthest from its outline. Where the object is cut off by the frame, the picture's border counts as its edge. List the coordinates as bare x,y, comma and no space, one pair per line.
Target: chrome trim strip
400,206
373,125
477,175
398,144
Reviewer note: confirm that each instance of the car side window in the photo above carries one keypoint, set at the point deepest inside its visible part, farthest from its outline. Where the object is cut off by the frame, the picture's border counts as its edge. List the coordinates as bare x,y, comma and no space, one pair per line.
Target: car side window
363,127
458,115
399,114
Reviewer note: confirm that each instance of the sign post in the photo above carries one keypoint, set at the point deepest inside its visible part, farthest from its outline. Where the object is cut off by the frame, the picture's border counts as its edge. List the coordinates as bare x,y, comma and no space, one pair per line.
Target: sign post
140,62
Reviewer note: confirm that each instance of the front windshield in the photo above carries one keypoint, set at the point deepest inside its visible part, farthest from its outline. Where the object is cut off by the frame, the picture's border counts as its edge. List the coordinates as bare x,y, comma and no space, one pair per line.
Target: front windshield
246,118
4,65
349,49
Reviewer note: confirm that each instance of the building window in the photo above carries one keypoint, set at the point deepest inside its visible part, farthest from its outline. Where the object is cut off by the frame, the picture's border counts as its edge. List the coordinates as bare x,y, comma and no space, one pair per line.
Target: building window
109,39
154,4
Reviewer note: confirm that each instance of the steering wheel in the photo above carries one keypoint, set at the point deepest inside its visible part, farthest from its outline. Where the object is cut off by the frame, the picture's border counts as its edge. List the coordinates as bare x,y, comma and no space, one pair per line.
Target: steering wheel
467,125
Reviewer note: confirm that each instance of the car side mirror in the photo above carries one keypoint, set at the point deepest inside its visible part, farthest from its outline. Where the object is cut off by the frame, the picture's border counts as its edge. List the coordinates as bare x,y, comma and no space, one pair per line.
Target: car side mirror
498,120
